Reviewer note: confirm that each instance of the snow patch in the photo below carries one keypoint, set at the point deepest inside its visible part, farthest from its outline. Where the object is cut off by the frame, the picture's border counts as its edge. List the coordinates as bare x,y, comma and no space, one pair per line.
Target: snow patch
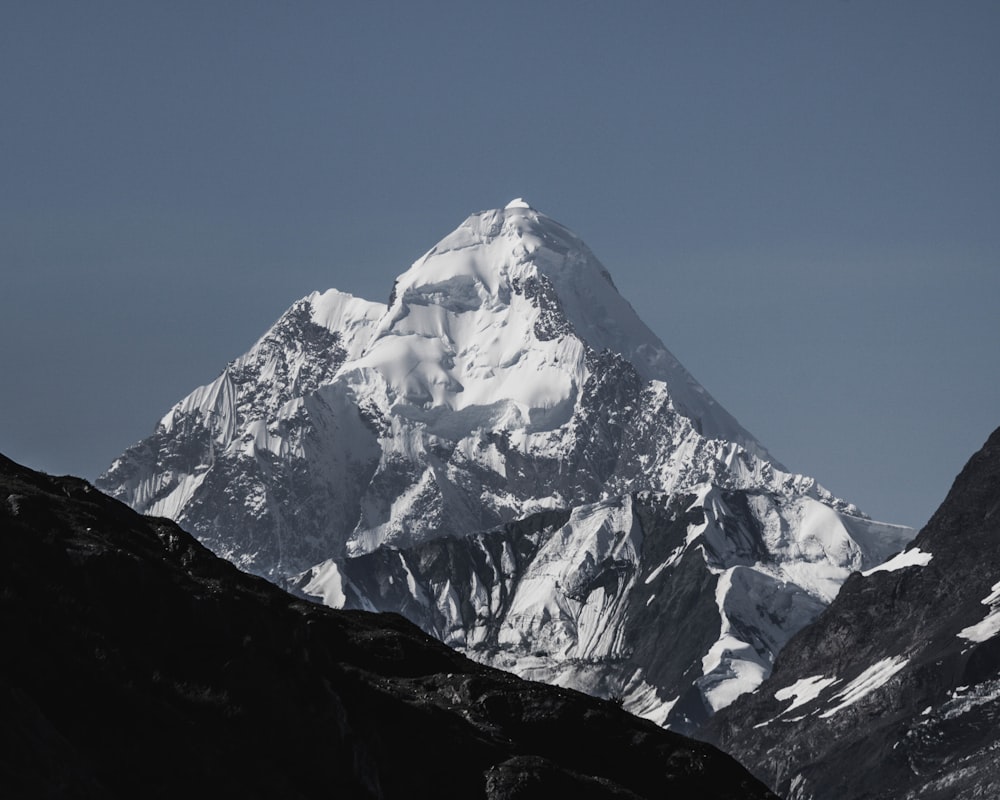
802,691
908,558
326,582
731,667
990,625
557,604
173,504
644,701
876,675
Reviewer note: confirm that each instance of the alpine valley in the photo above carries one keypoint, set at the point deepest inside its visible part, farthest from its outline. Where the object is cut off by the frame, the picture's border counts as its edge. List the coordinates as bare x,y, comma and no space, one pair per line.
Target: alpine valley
506,454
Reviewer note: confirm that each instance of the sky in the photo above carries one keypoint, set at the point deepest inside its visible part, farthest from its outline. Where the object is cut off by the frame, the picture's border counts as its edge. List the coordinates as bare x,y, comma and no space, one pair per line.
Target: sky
801,199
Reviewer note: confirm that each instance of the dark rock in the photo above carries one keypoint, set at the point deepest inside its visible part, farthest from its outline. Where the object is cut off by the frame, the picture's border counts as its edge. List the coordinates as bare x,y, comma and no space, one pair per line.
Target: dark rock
930,730
137,664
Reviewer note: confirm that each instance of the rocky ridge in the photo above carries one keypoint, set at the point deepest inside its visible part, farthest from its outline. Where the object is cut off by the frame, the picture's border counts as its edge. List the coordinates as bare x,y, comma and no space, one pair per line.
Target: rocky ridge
894,691
138,664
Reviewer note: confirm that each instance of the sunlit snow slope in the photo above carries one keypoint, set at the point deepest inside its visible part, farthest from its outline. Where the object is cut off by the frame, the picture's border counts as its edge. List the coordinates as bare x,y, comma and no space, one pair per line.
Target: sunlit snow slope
505,377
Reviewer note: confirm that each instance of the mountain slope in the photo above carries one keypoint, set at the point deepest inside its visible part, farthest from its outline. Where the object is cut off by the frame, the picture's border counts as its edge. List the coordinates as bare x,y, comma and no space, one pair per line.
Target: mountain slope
895,690
138,664
239,461
504,378
676,603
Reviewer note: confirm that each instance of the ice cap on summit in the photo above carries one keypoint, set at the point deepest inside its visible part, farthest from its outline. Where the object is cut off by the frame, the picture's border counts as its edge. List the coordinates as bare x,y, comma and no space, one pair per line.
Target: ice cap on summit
517,202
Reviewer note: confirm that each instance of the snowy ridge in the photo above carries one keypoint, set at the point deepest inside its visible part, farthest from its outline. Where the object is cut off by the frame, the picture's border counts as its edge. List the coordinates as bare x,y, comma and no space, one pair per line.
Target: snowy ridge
506,377
520,259
243,436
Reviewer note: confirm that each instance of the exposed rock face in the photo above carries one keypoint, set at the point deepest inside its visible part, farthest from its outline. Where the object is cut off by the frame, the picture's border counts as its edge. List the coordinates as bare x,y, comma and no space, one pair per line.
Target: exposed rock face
507,377
895,690
674,603
137,664
241,461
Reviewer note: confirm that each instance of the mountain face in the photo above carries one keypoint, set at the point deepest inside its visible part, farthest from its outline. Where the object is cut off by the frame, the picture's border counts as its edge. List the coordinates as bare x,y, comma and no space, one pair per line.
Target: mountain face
894,692
506,376
507,392
675,603
137,664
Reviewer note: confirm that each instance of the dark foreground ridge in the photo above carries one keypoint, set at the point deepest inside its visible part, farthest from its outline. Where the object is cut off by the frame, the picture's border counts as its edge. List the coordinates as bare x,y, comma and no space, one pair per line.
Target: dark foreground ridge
137,664
914,655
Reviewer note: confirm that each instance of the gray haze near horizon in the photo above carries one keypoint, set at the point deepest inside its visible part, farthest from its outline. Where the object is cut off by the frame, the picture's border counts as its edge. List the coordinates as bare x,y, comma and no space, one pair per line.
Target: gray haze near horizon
802,201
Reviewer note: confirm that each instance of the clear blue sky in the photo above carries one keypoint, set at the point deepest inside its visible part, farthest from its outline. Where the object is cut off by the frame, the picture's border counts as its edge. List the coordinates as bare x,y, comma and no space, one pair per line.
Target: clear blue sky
801,199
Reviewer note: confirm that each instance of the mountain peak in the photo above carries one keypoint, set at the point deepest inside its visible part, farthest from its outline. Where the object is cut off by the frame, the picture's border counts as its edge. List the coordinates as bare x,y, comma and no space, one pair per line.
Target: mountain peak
517,281
508,380
520,231
384,417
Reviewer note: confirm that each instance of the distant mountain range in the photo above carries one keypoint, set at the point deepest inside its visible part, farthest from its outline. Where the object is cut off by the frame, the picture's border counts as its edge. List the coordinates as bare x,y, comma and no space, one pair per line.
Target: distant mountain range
137,664
508,456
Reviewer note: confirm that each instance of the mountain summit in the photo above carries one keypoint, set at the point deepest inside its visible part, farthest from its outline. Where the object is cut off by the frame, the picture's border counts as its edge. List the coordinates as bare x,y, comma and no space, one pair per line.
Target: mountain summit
518,308
507,378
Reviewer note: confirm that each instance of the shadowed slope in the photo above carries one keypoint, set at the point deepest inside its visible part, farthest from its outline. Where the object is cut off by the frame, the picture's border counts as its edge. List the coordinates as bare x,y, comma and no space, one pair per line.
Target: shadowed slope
135,663
894,691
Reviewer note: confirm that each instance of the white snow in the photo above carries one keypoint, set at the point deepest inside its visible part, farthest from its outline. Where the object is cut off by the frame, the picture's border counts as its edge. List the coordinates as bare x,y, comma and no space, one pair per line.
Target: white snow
803,690
355,319
496,251
990,625
549,608
327,584
825,552
172,505
876,675
907,558
816,546
643,701
731,666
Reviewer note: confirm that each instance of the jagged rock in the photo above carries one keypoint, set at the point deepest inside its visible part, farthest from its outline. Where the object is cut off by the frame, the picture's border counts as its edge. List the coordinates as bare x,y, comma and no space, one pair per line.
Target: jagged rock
894,691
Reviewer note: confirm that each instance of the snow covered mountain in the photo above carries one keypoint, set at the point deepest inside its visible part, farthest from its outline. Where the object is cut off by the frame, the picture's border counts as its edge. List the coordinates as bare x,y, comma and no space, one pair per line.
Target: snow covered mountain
508,378
895,690
676,603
